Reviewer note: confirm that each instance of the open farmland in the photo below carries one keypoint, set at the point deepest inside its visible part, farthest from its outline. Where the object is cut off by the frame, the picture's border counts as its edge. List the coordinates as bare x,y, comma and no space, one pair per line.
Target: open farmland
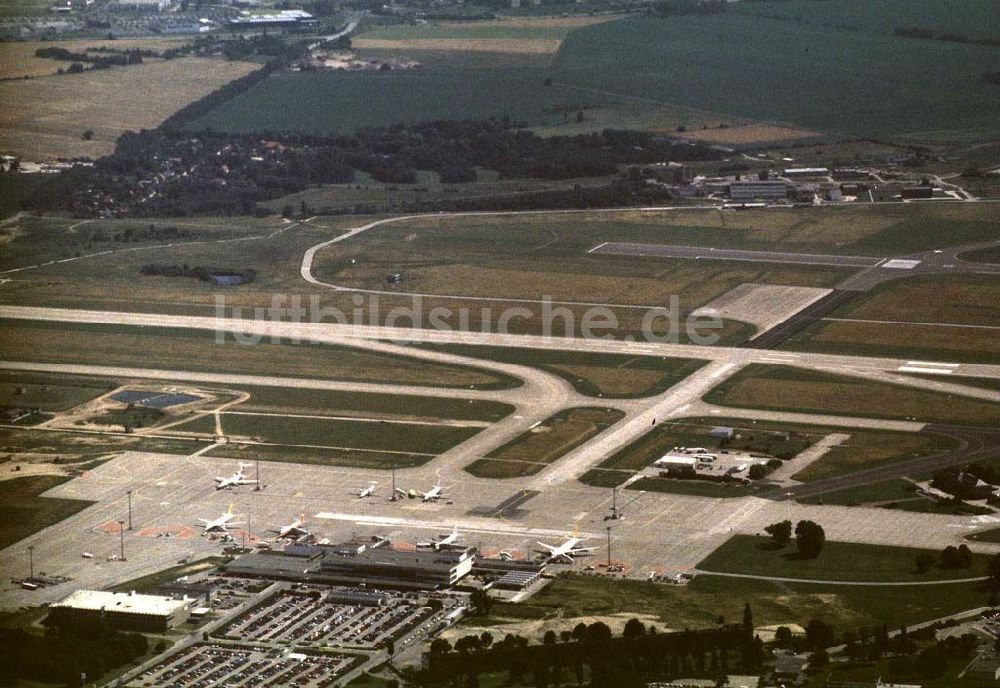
23,511
789,389
17,58
792,73
44,118
972,18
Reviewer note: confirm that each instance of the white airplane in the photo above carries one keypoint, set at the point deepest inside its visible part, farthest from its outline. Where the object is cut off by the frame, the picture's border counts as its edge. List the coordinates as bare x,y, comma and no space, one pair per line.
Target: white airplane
567,551
368,491
433,494
235,479
221,524
442,541
293,529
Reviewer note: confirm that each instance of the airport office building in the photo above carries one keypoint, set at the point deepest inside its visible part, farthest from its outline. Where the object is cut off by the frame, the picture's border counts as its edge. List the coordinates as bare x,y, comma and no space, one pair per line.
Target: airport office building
121,610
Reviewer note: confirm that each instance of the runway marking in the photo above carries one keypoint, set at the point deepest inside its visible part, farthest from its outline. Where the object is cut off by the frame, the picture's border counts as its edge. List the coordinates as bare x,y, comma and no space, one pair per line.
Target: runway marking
930,363
900,264
929,371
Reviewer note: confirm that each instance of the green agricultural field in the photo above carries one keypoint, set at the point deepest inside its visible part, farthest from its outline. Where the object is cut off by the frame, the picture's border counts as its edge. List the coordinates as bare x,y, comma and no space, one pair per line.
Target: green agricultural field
838,561
785,388
347,434
700,603
973,18
23,511
606,375
198,350
789,72
342,102
531,452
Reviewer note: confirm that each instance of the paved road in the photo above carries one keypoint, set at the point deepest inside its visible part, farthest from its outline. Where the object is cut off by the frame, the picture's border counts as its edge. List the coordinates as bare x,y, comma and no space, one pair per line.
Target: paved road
706,253
783,331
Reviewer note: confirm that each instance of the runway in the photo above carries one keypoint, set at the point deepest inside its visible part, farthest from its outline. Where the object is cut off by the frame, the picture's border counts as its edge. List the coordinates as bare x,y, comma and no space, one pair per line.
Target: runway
704,253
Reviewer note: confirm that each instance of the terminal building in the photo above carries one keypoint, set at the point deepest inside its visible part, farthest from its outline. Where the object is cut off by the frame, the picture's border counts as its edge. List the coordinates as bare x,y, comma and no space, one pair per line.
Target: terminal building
378,567
124,611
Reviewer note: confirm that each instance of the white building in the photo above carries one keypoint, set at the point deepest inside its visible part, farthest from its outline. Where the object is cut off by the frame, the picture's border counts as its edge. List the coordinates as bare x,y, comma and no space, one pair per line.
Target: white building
749,191
127,611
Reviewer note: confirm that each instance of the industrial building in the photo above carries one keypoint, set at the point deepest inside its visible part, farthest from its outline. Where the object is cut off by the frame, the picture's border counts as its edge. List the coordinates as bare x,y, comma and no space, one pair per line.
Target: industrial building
125,611
285,19
378,567
750,191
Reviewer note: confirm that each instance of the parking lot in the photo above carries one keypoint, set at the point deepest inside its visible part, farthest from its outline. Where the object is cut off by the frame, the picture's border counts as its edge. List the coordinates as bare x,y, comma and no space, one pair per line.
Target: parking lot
324,617
206,665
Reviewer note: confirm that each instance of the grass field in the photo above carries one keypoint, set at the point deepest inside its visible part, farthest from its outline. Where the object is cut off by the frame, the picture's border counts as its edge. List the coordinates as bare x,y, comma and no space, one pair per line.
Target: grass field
346,434
607,375
984,255
899,318
74,447
838,561
45,118
985,536
320,456
533,256
701,603
981,382
790,389
198,350
789,73
896,494
23,511
544,443
390,406
863,449
48,392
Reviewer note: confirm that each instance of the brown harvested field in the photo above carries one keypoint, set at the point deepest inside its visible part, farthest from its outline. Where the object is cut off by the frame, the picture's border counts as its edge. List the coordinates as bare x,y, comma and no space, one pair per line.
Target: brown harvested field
543,444
751,133
783,388
44,118
534,46
17,58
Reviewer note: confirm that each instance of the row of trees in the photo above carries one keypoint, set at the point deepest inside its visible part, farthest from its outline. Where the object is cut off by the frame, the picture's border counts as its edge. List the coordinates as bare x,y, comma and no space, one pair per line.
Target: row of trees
66,652
592,650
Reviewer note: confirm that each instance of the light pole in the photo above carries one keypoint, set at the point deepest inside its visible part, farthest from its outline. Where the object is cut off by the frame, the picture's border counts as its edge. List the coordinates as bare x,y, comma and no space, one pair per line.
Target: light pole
31,561
130,509
257,487
121,539
393,465
609,547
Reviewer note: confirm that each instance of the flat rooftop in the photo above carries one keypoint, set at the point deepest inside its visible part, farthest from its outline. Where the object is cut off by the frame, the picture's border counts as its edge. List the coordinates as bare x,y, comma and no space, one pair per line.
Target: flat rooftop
123,602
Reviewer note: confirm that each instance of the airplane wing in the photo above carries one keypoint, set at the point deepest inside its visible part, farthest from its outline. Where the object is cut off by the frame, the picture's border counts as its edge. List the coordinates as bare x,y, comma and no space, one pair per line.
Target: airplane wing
204,520
548,547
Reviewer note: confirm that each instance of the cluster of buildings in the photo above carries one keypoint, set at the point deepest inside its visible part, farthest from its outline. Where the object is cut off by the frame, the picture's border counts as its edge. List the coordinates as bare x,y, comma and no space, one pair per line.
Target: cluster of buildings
792,185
